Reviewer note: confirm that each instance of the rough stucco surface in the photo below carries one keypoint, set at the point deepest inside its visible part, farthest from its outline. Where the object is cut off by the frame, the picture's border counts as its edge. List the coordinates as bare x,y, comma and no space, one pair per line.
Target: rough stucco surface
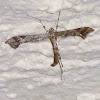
26,74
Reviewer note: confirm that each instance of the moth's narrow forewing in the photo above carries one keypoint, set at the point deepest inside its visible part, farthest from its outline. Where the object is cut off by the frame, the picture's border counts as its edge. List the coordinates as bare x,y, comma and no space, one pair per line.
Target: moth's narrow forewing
82,32
15,41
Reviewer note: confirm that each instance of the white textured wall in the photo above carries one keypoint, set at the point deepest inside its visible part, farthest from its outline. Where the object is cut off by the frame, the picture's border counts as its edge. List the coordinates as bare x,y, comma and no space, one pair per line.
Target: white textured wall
26,74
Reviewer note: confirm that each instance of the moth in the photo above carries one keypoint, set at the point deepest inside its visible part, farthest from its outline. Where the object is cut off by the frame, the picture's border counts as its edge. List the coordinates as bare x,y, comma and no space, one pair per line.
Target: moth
52,34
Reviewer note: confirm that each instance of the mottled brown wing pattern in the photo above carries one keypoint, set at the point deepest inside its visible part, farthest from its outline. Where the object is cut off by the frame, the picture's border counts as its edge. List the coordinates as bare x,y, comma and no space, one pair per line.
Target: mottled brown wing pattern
82,32
15,41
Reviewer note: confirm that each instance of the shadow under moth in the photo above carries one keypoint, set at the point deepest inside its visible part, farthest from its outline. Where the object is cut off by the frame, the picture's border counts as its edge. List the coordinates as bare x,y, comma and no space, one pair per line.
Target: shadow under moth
52,34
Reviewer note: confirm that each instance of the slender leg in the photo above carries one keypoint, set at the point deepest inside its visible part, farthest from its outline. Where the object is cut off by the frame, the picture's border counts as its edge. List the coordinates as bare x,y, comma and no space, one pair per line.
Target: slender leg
58,21
61,65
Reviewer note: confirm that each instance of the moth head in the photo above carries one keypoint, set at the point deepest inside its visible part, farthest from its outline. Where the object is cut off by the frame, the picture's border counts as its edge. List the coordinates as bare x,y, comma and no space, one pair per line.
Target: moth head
51,30
14,42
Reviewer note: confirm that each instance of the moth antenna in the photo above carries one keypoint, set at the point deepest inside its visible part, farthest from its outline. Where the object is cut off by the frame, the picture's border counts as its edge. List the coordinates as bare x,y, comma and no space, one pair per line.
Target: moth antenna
58,21
43,25
38,20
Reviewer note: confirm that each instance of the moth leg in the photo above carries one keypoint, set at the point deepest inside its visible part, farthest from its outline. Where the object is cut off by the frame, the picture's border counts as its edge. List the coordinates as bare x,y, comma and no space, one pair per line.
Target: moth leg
58,21
61,65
